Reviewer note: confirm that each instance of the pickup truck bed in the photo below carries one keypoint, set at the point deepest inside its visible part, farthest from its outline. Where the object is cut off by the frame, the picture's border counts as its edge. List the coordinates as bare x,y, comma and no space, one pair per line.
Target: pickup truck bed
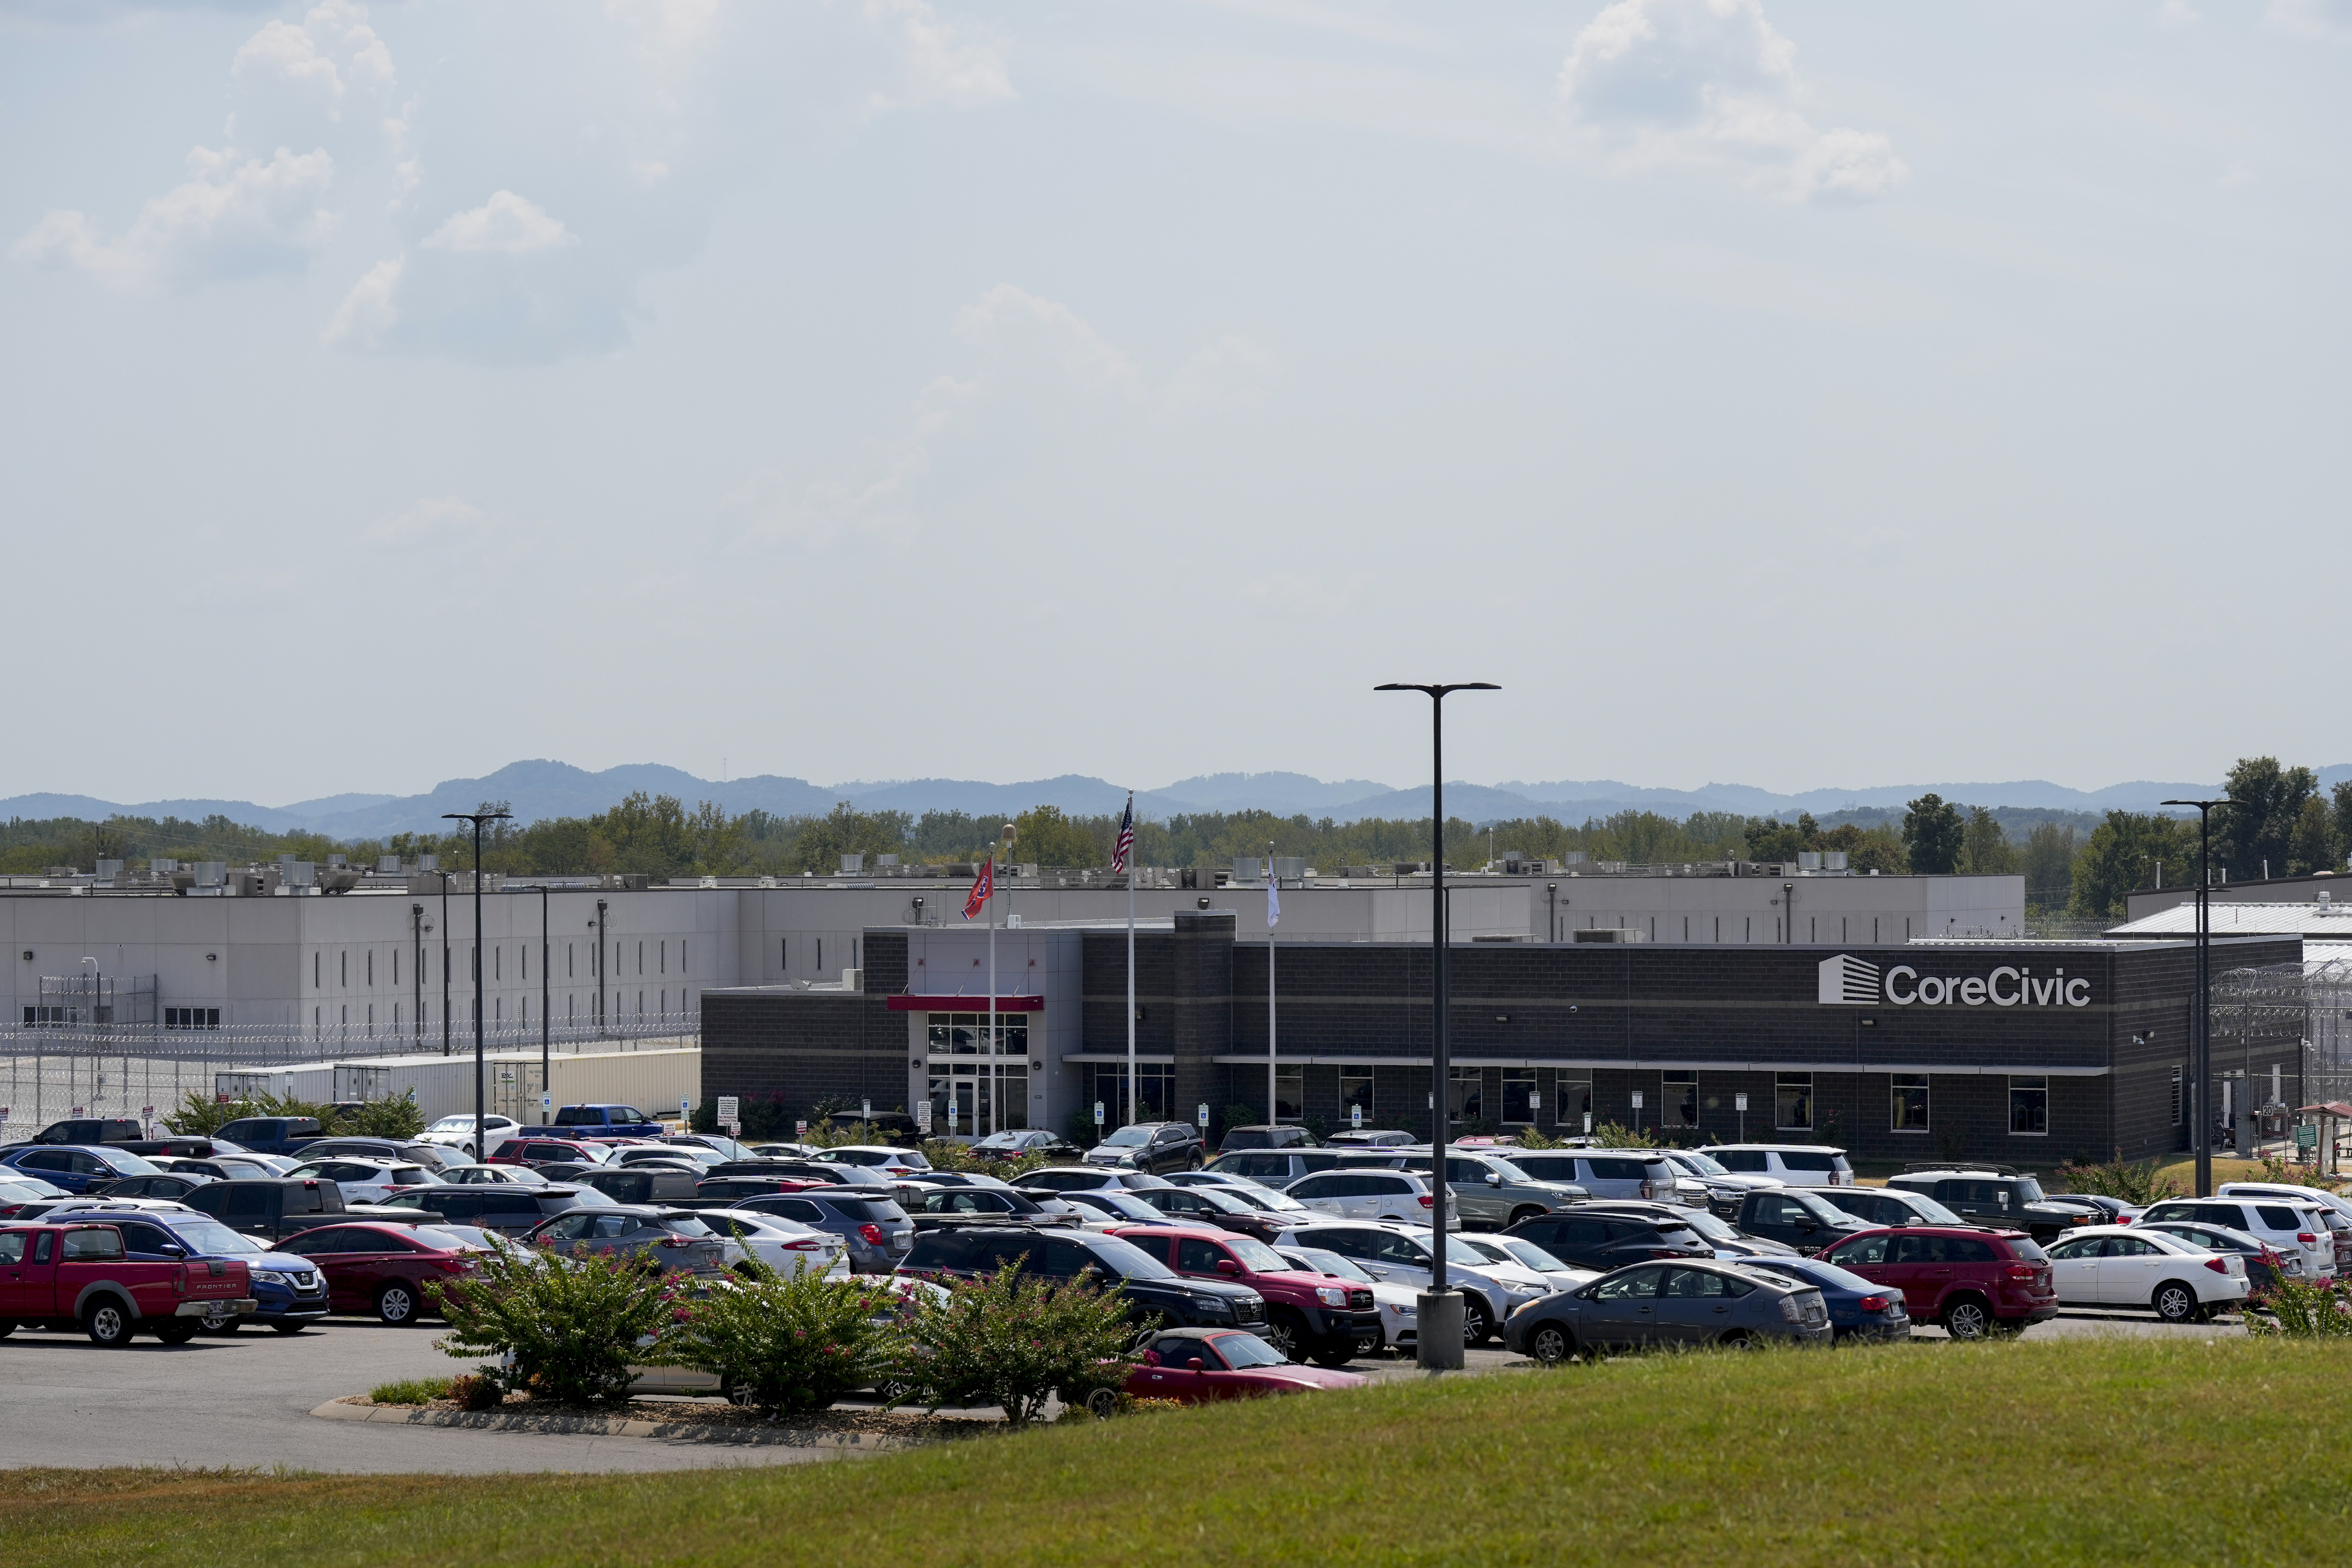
69,1275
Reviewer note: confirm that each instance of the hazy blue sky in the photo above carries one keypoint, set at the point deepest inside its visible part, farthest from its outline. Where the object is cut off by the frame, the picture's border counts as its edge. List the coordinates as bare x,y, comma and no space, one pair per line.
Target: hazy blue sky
1794,394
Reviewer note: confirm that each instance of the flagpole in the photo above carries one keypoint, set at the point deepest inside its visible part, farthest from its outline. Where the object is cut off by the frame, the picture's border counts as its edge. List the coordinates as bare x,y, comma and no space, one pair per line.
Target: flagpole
1273,918
1130,969
995,1083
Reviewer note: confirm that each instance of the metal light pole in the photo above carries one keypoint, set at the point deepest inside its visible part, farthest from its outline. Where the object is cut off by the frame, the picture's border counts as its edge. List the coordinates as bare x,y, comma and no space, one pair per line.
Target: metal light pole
2200,1028
546,994
445,973
481,1143
1437,1344
416,975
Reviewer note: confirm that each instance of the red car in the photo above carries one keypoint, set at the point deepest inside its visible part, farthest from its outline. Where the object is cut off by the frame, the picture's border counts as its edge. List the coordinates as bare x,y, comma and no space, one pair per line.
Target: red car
384,1269
1319,1318
548,1151
1198,1364
1973,1282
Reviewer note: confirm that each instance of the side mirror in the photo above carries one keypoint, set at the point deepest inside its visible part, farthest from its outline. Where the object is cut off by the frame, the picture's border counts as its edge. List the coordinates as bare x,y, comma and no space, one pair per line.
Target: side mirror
1494,1178
1227,1266
171,1249
1196,1364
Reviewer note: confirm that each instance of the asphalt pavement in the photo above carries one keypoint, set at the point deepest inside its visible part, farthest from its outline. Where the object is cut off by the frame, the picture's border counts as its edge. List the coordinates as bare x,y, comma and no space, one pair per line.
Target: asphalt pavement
245,1401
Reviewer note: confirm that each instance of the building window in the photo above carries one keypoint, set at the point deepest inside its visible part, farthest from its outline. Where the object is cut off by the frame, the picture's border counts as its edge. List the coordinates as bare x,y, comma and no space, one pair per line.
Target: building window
1355,1093
1792,1100
343,970
820,955
1907,1102
1465,1093
314,974
497,964
1289,1092
682,969
1519,1091
1679,1103
182,1017
641,961
2028,1106
525,951
45,1017
371,966
2176,1097
664,956
570,966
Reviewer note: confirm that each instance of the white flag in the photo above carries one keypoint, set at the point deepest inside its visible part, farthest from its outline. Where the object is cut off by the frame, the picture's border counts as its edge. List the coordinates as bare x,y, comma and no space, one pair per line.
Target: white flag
1273,896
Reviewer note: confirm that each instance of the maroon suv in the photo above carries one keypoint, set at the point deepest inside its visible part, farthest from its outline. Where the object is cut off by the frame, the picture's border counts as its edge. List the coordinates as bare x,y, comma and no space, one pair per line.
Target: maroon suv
1973,1282
1319,1318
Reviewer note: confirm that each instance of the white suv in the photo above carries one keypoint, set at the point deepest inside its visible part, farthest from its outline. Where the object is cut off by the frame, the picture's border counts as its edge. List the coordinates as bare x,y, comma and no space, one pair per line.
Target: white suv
1792,1164
1399,1255
457,1133
1399,1196
364,1180
2289,1225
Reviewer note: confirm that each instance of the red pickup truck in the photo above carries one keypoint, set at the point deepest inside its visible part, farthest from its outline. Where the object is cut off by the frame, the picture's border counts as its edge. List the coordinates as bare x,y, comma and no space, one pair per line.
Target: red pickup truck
61,1276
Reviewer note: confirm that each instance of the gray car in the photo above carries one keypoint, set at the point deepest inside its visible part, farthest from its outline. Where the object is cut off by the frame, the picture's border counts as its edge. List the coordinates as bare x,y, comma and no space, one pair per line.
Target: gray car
1606,1173
1492,1192
874,1229
1092,1179
676,1241
1679,1304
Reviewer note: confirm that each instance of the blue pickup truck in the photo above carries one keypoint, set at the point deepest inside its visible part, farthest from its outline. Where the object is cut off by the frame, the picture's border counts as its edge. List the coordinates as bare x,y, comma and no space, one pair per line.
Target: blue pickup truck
272,1134
605,1122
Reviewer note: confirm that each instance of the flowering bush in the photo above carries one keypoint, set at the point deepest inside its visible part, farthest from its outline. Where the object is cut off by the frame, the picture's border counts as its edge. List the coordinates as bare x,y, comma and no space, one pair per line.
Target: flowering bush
570,1328
792,1346
1016,1340
2299,1309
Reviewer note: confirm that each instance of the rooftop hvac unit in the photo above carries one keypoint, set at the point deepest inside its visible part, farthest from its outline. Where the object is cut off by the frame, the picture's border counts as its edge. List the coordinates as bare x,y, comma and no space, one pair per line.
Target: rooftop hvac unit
1809,859
387,865
336,861
211,873
1290,868
1573,857
428,862
1247,868
1410,867
889,860
1187,877
1834,860
301,873
107,870
852,863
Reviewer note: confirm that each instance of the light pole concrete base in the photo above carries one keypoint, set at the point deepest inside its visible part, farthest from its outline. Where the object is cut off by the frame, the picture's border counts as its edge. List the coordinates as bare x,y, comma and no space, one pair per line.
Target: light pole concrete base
1437,1330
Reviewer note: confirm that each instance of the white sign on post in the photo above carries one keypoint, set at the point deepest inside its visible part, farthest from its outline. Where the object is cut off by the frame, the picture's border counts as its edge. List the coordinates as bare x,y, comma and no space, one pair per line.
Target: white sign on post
686,1111
730,1107
800,1130
923,1117
1204,1116
1098,1115
1739,1102
866,1110
1637,1100
1355,1116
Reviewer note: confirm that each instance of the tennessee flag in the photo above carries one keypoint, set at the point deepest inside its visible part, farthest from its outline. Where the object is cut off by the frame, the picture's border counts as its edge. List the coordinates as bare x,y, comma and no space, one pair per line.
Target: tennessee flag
981,887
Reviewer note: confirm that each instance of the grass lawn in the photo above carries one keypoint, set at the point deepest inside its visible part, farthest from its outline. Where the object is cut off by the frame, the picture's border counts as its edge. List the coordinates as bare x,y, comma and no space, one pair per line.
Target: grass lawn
2144,1452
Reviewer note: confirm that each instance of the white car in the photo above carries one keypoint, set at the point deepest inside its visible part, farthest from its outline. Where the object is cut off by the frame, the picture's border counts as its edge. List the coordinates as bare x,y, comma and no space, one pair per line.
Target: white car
1255,1193
879,1158
1398,1304
457,1133
783,1244
1109,1206
1399,1197
1401,1255
2131,1266
1791,1165
364,1180
2286,1225
1724,1189
1534,1259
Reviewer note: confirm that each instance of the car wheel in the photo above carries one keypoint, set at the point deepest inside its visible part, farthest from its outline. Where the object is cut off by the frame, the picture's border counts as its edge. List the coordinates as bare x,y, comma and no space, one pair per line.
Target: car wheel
1738,1339
1517,1215
1334,1353
7,1327
285,1328
1477,1325
1103,1403
2175,1302
396,1304
1287,1333
1551,1344
1967,1319
1196,1163
108,1323
177,1331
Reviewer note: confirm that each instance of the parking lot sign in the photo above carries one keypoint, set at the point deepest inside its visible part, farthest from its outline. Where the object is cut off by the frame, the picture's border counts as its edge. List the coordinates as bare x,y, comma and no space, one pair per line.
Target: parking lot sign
2306,1136
730,1107
1098,1115
1355,1116
1204,1115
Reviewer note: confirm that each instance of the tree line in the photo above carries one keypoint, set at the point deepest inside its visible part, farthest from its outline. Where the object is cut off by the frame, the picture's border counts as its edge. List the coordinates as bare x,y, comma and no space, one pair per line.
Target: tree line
2072,863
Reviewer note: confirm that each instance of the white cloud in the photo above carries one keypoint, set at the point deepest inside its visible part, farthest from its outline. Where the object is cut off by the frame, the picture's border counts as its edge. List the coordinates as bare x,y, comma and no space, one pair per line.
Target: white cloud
1231,373
366,314
2176,14
1708,83
334,50
2311,18
940,62
506,223
437,514
1010,318
227,220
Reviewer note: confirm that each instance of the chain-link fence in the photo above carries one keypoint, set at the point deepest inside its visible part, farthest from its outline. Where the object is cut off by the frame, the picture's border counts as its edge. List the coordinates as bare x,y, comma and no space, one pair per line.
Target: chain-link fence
49,1073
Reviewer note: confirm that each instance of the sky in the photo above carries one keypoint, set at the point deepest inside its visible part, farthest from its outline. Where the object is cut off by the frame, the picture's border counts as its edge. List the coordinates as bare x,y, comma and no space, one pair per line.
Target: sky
1760,391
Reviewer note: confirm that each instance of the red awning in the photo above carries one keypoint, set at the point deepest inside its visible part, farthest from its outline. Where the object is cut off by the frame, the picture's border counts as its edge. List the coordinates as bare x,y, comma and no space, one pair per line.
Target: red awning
966,1004
2331,1108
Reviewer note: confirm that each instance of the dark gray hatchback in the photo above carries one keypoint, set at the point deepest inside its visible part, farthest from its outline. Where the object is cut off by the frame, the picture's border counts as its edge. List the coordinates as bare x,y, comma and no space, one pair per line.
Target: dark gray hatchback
509,1210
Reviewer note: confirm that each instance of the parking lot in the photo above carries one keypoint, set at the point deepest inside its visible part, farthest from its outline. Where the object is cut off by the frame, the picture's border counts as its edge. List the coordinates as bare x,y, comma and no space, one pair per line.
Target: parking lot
245,1401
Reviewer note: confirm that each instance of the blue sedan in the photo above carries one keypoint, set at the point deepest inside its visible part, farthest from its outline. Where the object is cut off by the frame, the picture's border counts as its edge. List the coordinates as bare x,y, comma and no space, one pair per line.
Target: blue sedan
1859,1309
78,1167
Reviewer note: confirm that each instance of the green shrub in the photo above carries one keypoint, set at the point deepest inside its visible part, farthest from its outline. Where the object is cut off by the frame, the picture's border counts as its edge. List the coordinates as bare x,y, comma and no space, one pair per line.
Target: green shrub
2299,1309
1016,1340
395,1116
2136,1182
947,1154
410,1390
1615,1135
792,1346
826,1133
477,1391
572,1326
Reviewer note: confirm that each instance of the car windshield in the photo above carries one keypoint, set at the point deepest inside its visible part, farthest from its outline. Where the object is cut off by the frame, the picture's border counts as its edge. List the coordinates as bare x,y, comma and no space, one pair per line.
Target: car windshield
225,1146
1691,1160
1510,1171
1262,1198
1002,1140
454,1237
1130,1261
210,1235
2029,1189
685,1224
1812,1271
1255,1256
1929,1211
1532,1255
1247,1349
447,1124
132,1164
1459,1251
1709,1227
1129,1138
21,1185
1322,1262
1121,1205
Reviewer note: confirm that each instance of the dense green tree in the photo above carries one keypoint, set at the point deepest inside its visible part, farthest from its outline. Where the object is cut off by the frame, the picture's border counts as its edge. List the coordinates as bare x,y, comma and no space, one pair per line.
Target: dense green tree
1044,836
2311,845
1985,849
2048,864
2255,833
2123,853
1933,834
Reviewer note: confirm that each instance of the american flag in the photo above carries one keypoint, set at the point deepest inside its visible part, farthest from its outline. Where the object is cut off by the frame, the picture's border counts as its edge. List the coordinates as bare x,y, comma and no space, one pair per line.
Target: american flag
981,887
1126,845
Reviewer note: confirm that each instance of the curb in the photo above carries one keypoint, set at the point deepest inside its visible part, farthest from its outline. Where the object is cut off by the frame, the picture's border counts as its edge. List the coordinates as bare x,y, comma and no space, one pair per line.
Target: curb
730,1434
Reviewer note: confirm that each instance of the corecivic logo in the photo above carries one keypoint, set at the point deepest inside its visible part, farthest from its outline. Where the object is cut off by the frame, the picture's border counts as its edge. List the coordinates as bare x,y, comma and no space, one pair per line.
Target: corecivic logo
1850,982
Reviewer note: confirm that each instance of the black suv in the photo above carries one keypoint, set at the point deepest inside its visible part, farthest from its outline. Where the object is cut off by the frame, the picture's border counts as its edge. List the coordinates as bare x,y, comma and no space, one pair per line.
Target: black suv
92,1130
1265,1138
1155,1147
509,1209
271,1209
1999,1196
1612,1240
1156,1294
